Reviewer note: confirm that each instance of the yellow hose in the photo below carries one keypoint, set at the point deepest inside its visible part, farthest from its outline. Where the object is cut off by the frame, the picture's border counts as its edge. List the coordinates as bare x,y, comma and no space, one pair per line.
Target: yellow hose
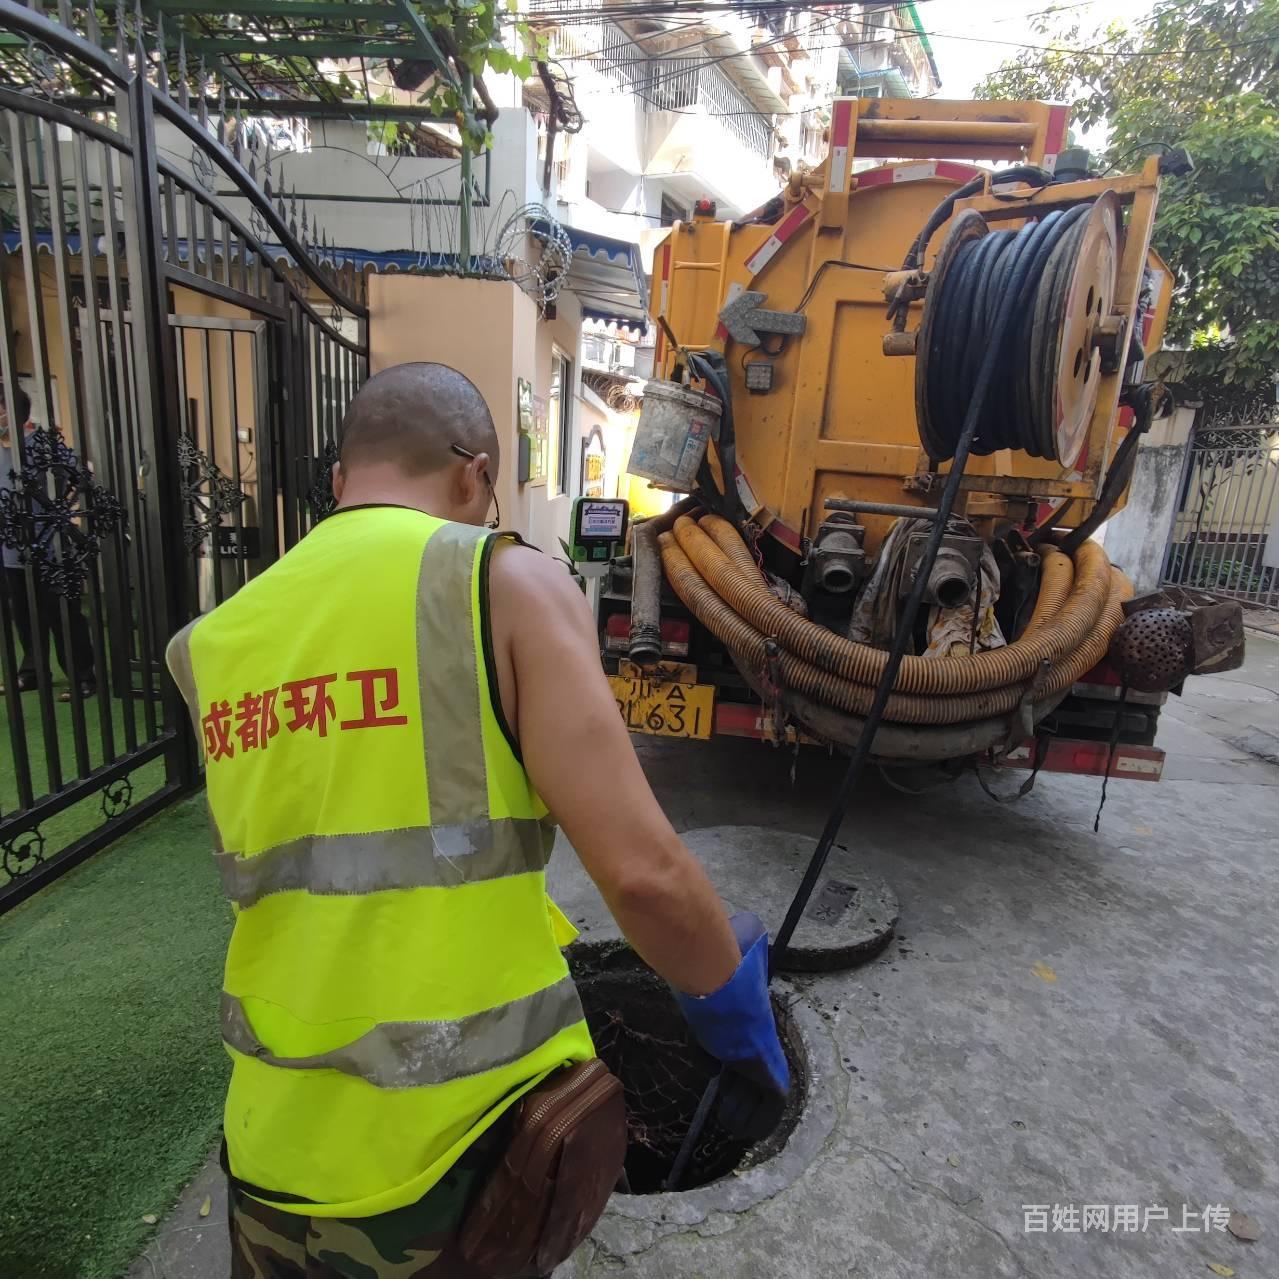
1076,665
1055,581
751,647
748,595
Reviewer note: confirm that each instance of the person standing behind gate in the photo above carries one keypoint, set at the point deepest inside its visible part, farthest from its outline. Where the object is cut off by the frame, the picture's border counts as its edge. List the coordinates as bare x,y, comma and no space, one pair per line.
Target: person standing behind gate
34,639
387,713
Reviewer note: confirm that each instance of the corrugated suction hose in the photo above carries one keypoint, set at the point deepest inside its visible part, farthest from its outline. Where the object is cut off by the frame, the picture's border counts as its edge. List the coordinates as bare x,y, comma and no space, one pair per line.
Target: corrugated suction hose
1057,576
1078,610
751,599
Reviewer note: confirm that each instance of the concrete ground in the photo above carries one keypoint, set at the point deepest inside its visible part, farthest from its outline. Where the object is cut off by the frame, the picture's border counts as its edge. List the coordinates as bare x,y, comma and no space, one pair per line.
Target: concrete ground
1065,1019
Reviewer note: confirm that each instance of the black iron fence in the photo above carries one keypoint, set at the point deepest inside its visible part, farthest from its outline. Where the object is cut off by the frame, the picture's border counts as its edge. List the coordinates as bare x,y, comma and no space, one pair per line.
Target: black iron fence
175,365
1225,538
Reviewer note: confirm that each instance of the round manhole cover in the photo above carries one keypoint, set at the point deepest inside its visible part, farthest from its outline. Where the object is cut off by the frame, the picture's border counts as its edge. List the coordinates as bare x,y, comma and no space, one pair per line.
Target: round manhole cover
850,917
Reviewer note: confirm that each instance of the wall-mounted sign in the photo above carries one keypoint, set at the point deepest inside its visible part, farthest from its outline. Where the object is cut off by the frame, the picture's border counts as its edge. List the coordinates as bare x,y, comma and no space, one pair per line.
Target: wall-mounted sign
594,464
533,446
533,442
541,436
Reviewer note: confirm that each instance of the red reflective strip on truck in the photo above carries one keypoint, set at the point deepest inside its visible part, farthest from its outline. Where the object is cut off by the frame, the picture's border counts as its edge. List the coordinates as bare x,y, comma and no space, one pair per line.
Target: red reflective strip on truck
659,347
786,536
892,174
1056,137
739,719
786,228
1066,755
1130,763
840,132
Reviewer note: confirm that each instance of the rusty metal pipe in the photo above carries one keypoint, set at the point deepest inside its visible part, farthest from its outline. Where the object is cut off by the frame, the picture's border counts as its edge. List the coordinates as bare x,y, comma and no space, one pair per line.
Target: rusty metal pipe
899,509
645,640
1014,133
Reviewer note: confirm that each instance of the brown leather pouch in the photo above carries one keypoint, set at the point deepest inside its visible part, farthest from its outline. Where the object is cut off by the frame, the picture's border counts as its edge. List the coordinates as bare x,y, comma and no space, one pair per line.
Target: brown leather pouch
567,1147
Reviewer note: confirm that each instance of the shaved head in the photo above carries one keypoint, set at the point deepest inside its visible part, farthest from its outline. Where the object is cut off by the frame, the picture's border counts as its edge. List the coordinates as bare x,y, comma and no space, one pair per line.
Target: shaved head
411,415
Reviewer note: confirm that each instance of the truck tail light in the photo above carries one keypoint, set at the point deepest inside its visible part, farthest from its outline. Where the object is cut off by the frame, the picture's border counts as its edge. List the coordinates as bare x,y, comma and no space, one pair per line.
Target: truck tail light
674,638
617,632
617,635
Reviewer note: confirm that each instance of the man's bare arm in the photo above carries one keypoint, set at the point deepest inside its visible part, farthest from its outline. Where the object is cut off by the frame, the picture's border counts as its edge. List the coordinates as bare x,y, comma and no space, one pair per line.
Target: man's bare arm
579,756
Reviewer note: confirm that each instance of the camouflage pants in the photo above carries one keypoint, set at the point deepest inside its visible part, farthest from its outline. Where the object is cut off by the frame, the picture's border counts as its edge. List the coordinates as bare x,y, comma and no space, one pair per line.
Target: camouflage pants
415,1242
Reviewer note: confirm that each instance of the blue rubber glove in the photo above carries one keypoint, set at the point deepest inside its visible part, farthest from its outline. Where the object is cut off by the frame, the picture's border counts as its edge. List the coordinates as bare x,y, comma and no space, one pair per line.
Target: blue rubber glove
735,1025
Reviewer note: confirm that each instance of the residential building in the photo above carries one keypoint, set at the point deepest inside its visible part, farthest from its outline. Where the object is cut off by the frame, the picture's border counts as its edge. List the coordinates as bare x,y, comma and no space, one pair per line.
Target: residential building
886,54
717,104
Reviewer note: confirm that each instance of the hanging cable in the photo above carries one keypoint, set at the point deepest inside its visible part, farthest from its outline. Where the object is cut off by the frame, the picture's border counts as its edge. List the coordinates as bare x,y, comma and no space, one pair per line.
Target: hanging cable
1029,173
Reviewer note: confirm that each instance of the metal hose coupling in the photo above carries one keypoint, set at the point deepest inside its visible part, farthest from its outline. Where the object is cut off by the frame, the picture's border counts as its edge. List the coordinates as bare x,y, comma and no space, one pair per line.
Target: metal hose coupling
950,584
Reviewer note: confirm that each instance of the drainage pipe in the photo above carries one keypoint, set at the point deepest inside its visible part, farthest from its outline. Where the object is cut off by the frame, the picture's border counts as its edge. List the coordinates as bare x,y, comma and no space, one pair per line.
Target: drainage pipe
645,640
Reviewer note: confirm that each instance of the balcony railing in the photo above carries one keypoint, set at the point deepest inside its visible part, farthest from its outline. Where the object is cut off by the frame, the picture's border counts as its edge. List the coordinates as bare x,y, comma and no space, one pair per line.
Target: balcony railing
681,84
662,83
602,48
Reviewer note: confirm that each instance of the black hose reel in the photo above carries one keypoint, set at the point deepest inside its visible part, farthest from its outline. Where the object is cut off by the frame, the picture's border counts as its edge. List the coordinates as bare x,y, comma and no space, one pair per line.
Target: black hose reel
1064,269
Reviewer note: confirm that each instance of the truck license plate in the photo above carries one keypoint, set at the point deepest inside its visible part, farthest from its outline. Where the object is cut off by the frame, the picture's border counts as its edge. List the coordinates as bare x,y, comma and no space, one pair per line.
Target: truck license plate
664,709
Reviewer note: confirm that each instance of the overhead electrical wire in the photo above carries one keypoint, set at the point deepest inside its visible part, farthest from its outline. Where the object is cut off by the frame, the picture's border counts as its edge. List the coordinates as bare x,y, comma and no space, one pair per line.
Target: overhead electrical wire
625,11
658,9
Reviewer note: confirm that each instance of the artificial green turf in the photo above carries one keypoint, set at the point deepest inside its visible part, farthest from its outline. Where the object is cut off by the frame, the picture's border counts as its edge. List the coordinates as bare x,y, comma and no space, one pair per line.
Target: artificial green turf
111,1069
85,815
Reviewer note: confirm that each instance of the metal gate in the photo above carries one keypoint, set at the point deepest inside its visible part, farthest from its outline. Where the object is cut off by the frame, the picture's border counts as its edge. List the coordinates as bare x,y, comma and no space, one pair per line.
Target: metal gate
175,365
1225,539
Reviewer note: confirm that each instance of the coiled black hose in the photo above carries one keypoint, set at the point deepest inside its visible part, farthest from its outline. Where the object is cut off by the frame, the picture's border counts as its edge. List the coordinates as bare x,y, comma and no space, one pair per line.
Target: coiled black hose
1036,263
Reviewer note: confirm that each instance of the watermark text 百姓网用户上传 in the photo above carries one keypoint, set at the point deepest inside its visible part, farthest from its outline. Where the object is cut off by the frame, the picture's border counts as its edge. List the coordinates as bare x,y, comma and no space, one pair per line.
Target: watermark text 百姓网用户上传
1120,1218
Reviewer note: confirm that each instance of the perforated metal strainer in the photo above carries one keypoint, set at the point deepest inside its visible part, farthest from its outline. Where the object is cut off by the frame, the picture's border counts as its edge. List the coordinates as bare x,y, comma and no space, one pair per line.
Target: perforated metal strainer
1152,650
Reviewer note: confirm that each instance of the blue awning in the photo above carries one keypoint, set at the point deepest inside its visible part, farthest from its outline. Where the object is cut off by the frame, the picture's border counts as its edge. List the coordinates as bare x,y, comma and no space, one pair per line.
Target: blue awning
608,277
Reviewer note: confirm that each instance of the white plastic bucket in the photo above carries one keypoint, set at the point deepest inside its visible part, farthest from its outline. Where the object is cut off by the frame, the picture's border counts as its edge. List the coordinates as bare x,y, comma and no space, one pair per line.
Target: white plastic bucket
675,426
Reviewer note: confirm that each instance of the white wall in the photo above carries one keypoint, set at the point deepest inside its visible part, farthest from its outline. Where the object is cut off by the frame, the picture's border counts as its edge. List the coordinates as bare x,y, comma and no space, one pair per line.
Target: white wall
489,330
1136,537
391,213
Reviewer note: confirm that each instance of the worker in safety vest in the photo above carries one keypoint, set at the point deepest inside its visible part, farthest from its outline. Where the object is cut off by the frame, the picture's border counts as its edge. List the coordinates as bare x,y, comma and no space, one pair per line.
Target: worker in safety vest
387,714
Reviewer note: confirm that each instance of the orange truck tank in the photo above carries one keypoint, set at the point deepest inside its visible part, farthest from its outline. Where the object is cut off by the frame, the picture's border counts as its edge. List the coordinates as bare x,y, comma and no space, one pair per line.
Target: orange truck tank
816,362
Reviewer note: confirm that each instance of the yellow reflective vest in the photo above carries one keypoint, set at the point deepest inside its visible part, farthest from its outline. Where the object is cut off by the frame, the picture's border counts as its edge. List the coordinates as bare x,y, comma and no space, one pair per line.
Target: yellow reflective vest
394,979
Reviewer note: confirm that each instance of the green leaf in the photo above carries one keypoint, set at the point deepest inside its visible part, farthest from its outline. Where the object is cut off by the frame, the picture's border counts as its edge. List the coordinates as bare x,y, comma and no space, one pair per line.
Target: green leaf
1219,97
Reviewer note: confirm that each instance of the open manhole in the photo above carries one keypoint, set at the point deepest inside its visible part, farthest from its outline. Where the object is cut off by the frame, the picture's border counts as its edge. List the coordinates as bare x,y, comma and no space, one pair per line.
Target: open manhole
641,1035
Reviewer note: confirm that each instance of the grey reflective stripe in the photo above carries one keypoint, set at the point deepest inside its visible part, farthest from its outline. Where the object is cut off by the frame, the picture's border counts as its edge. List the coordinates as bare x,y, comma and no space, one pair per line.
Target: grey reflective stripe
448,676
411,1054
416,857
178,658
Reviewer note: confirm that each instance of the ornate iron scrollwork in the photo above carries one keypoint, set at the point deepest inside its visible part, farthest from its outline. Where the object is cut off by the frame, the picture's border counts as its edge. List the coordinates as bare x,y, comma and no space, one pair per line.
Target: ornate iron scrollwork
319,496
23,853
49,74
202,167
116,797
207,493
56,514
